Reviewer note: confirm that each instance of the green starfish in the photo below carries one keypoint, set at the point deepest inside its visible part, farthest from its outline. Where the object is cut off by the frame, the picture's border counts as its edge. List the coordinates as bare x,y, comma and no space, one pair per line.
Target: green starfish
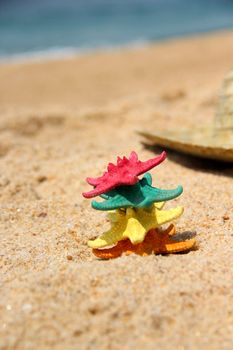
140,195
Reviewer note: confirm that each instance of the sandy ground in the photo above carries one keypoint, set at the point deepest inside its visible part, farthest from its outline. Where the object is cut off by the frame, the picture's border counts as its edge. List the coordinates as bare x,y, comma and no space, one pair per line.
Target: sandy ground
62,121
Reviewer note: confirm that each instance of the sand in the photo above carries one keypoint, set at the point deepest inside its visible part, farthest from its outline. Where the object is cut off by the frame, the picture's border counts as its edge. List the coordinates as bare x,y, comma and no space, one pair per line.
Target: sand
64,120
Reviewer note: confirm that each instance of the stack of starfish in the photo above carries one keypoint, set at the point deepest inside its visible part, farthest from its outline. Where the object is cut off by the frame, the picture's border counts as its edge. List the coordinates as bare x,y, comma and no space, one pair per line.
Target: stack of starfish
135,211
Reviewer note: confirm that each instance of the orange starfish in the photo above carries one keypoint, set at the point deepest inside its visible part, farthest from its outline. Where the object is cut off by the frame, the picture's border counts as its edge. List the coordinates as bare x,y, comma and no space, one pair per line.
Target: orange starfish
157,241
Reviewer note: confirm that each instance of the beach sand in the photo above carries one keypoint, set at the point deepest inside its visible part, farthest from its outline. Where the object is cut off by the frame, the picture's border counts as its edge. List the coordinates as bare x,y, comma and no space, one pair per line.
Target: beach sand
64,120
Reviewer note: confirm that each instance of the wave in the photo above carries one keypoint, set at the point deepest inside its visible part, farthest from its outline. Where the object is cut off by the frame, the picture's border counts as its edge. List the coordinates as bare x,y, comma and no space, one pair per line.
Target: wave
58,53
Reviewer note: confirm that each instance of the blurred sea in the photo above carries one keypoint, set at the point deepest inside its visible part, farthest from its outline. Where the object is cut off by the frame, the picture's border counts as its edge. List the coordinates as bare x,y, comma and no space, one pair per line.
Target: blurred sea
32,28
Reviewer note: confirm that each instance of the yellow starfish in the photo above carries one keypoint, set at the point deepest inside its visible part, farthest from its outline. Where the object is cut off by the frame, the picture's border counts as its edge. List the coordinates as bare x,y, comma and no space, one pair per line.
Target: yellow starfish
134,224
157,241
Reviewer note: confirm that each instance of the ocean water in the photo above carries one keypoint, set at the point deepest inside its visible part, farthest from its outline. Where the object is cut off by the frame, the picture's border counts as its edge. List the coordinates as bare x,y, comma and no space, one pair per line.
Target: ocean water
60,27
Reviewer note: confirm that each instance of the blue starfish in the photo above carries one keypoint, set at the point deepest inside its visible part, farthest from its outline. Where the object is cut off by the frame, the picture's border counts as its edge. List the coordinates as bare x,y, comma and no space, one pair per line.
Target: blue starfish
140,195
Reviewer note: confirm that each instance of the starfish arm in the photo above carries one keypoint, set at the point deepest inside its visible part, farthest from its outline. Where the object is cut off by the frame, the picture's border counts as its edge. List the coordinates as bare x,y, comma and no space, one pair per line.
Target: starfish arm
104,196
171,230
151,163
148,219
99,189
116,215
155,218
159,195
174,247
93,181
133,156
146,180
109,194
111,203
159,205
109,237
109,253
164,216
113,216
135,231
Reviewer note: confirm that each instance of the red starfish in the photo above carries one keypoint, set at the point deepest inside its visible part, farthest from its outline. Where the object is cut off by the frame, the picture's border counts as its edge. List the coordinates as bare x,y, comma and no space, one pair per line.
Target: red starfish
125,172
156,241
